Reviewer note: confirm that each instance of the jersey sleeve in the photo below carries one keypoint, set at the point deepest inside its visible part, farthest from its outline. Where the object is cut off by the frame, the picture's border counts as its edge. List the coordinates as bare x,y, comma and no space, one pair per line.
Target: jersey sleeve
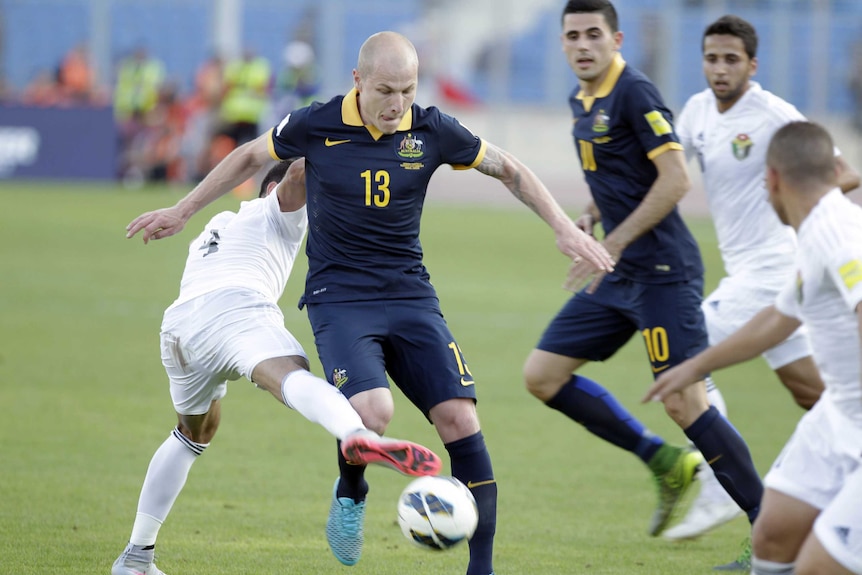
650,119
684,128
845,267
289,138
786,301
458,145
290,225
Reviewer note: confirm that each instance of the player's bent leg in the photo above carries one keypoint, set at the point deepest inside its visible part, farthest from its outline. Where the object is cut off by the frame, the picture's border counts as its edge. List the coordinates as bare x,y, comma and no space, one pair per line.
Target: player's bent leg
545,373
814,559
781,527
165,479
802,379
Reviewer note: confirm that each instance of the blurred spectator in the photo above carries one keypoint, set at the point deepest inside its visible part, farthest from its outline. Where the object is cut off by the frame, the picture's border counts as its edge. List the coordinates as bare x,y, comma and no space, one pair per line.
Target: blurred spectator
152,154
43,91
139,80
296,85
203,117
77,79
246,97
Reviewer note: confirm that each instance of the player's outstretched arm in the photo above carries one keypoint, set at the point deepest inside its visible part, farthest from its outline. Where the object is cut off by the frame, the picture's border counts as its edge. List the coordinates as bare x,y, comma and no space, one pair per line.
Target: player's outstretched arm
291,192
762,332
527,187
237,167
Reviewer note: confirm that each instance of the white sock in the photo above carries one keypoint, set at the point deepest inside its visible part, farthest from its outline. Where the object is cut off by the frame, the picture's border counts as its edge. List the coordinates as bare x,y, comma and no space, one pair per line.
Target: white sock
711,491
165,478
320,402
764,567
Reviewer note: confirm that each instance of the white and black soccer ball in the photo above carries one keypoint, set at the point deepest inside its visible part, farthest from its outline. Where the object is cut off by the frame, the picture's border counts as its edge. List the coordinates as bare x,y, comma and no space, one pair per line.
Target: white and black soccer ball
437,512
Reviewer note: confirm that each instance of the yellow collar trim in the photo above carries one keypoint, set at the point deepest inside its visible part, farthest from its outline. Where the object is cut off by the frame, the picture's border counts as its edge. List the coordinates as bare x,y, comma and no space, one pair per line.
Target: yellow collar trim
614,71
350,115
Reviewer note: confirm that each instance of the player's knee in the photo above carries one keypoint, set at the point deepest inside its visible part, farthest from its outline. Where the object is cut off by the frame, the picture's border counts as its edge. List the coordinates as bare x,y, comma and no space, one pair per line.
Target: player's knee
539,381
455,419
199,433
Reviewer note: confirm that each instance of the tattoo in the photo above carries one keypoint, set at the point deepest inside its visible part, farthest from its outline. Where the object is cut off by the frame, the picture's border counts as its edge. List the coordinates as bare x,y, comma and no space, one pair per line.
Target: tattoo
492,163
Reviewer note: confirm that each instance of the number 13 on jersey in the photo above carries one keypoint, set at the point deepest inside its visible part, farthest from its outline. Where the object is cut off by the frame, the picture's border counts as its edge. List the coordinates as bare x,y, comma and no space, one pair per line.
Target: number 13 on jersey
376,188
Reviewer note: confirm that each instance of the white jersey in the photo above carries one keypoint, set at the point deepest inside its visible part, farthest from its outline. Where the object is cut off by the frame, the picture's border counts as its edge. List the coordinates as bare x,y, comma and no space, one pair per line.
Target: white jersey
254,249
825,294
731,150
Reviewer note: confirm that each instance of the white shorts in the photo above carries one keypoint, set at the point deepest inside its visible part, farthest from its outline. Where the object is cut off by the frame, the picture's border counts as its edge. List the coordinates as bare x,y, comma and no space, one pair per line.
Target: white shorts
839,527
220,337
819,457
733,303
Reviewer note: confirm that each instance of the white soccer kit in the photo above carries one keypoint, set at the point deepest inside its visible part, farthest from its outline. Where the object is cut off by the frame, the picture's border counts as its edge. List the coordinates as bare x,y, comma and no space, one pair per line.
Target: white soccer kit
757,249
226,319
826,447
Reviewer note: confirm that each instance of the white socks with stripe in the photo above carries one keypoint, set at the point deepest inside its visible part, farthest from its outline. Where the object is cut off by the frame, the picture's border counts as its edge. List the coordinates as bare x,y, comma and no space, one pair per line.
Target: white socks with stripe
165,478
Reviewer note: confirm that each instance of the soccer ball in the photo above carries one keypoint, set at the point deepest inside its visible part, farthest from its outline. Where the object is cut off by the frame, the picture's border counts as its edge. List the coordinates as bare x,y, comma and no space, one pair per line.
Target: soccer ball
437,512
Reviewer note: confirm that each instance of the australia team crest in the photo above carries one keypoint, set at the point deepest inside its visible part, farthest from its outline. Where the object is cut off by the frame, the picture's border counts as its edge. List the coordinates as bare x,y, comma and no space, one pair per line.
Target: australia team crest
410,147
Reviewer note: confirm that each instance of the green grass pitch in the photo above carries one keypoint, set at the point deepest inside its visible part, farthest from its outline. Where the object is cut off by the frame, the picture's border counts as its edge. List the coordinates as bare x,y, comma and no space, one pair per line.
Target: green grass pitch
85,403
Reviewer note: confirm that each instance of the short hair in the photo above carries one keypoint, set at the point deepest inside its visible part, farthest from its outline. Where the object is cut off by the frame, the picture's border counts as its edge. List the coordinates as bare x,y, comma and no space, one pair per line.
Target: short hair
730,25
590,6
275,174
804,153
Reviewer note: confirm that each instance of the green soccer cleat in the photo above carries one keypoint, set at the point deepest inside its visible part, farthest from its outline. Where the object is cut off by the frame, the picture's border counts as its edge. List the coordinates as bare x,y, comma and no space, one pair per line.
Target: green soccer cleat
741,563
672,485
344,531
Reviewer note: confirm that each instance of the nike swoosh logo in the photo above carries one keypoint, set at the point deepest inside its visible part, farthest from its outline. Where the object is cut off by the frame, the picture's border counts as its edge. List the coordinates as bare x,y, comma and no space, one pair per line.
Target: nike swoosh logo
714,459
329,142
467,382
471,485
659,369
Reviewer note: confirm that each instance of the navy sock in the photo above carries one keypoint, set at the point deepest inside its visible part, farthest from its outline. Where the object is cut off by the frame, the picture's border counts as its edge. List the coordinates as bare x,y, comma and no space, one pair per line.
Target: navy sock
352,483
595,408
728,455
471,464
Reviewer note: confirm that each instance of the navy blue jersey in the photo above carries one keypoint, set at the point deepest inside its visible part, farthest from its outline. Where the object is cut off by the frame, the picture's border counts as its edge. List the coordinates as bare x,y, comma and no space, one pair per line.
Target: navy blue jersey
365,192
617,134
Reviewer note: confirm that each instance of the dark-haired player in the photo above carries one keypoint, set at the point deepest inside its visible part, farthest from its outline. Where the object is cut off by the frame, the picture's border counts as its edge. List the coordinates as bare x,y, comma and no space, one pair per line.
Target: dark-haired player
635,168
226,324
728,127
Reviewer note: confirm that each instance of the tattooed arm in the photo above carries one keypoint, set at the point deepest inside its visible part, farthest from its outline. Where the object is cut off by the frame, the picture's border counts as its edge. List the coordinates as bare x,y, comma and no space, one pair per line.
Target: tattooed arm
525,186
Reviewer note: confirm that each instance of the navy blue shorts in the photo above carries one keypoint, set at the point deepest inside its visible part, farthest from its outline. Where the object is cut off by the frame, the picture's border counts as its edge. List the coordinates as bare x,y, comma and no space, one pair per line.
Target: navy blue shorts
594,326
359,342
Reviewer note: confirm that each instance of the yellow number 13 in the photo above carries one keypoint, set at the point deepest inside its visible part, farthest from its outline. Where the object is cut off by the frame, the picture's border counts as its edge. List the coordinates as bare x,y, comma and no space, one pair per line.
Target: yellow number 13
379,195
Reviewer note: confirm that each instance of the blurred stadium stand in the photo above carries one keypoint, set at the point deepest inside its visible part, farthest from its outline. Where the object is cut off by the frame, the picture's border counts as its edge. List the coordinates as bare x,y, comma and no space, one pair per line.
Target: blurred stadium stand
497,53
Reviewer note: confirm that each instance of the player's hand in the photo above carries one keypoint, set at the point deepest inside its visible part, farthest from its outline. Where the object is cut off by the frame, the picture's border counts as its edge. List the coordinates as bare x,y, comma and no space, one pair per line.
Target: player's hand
580,246
586,272
157,224
583,273
673,380
586,223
